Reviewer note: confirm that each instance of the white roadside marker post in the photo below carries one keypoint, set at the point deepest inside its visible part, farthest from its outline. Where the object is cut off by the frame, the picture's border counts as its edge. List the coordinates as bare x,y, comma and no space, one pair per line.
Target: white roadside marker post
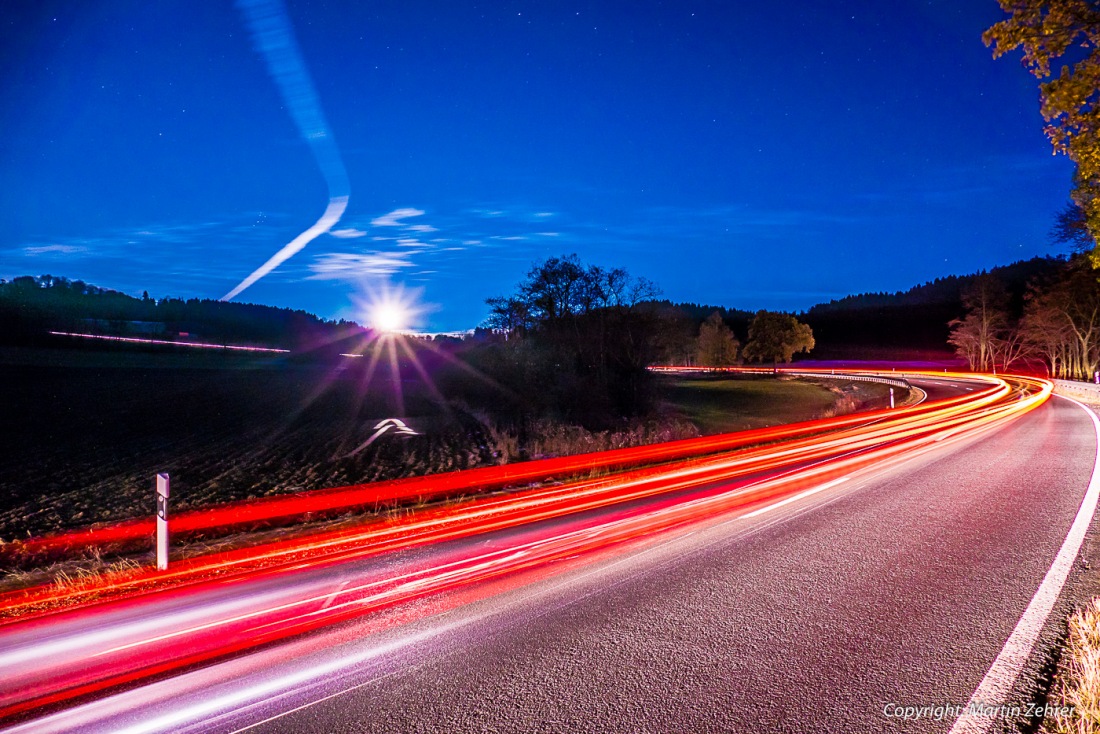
891,398
162,522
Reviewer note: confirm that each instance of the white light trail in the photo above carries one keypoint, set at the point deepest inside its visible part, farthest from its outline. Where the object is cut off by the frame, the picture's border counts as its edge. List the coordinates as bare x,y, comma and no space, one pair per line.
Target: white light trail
274,40
331,216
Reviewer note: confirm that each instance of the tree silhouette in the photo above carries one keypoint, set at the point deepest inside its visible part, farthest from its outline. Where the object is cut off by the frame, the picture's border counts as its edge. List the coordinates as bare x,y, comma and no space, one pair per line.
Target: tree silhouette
716,344
580,335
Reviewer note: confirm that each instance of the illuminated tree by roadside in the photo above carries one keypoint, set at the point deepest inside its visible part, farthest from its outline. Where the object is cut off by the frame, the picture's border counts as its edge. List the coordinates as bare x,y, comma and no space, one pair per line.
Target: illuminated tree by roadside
976,337
1047,31
717,346
987,337
777,337
1062,321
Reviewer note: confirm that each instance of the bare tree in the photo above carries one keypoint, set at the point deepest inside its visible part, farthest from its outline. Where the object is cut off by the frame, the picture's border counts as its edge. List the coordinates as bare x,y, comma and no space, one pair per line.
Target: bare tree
978,336
1062,321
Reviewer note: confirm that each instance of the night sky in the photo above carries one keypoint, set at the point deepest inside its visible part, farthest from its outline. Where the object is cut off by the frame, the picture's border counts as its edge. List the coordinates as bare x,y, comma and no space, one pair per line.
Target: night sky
753,155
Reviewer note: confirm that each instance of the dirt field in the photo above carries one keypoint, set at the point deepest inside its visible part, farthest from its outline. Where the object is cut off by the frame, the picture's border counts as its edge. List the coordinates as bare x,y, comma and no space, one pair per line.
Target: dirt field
84,432
82,441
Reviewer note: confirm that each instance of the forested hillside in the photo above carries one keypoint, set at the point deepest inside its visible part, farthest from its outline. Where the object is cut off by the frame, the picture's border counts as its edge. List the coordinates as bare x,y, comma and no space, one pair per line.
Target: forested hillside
31,307
914,323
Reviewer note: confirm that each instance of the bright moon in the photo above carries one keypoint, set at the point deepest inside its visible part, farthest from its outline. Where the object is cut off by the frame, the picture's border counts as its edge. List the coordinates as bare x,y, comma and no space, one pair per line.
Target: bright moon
389,317
388,308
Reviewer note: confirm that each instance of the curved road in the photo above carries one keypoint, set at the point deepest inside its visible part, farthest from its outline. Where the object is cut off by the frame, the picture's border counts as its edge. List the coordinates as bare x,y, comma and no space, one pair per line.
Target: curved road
896,587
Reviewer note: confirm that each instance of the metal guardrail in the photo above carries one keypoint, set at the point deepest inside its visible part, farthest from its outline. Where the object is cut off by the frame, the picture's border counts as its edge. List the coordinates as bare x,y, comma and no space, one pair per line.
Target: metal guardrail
1087,391
895,382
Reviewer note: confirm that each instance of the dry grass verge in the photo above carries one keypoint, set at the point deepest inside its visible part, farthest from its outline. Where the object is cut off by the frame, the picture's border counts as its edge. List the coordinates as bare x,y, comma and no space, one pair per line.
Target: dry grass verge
1077,683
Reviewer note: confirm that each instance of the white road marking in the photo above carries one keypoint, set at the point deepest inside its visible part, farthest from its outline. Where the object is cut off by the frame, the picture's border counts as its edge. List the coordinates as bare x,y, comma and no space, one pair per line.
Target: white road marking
994,689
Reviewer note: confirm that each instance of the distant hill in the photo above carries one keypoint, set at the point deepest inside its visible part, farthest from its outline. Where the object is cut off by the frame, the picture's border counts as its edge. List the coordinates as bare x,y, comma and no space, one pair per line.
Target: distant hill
947,290
31,307
912,323
909,324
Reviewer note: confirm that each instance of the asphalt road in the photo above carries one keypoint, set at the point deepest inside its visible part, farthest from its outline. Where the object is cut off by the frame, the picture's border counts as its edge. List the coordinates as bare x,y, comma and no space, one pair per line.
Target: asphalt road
898,587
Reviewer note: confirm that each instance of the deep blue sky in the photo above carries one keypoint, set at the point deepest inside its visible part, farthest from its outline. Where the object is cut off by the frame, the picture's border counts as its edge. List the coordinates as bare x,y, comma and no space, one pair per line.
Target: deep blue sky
754,155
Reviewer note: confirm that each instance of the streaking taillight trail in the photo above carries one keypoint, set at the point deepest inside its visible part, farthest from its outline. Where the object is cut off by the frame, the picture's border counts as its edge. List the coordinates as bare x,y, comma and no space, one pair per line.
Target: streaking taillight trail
218,604
338,499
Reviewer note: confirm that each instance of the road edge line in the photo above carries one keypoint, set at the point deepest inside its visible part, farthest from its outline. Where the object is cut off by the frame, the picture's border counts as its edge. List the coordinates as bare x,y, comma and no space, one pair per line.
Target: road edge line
979,715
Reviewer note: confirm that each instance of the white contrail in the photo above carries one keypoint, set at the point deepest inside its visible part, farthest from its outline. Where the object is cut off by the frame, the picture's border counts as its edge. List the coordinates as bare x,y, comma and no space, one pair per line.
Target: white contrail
271,33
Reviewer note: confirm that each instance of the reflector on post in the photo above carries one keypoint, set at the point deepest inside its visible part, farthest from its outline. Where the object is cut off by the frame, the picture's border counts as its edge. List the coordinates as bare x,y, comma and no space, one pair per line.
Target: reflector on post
162,522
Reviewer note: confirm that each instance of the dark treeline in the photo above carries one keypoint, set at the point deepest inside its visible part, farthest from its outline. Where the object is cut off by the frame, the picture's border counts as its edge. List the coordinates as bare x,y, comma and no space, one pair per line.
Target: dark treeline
912,323
907,324
678,324
31,307
574,343
866,326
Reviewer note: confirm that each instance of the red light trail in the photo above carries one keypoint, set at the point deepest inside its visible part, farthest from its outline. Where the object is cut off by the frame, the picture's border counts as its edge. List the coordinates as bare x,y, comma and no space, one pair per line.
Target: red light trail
471,481
169,342
274,590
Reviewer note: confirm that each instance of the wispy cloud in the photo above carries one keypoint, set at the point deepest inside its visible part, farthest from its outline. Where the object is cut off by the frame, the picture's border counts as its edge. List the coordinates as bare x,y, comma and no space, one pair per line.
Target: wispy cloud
381,262
33,250
171,257
131,242
489,213
393,219
352,266
348,233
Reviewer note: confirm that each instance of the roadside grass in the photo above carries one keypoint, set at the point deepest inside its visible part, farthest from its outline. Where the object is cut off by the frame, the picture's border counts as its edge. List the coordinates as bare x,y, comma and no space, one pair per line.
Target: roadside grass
724,404
852,397
71,574
1077,682
721,403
